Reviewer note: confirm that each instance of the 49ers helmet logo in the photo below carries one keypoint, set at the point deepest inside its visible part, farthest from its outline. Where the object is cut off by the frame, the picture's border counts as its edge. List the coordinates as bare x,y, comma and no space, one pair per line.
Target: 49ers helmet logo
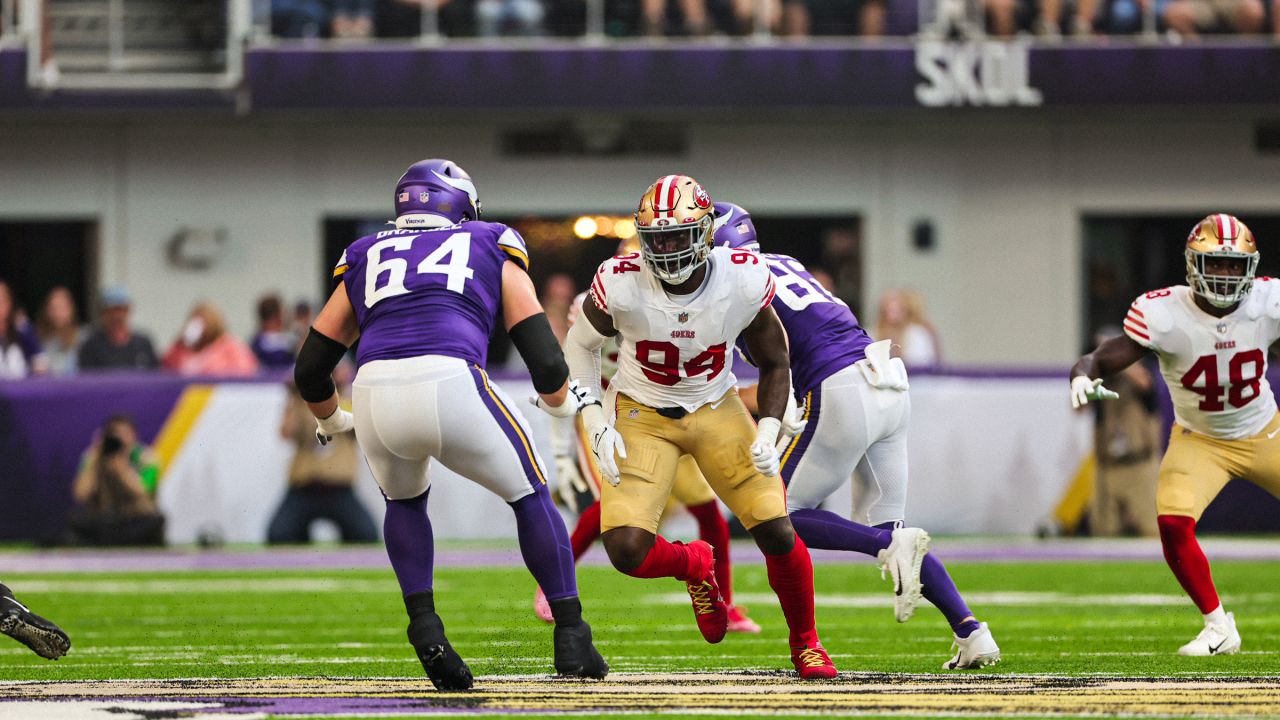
700,197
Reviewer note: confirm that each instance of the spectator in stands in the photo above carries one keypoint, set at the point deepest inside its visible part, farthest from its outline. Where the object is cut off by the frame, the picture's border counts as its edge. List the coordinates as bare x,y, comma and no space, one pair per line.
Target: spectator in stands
823,277
204,347
321,479
352,19
903,321
1049,24
115,490
1191,18
509,17
19,348
60,332
1127,445
557,295
302,317
273,345
831,17
114,345
299,18
1002,17
695,20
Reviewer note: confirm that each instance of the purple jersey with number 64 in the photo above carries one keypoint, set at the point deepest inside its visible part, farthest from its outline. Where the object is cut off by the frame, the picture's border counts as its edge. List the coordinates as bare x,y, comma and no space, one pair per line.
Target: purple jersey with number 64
824,335
429,291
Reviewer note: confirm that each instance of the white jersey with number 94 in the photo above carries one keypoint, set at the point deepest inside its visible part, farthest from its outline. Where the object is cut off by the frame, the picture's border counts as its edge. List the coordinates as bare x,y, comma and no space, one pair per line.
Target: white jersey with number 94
1215,367
676,350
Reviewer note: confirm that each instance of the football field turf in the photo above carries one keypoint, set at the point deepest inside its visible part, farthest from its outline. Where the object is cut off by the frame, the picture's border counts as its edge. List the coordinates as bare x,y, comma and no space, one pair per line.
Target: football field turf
1078,637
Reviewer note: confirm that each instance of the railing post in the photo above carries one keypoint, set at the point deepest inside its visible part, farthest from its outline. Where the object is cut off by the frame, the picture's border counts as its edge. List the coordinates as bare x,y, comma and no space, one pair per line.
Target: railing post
115,34
595,20
429,31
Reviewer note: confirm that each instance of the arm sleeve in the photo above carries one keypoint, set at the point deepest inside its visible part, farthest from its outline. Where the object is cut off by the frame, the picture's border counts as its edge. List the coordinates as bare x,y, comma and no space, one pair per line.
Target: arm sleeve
582,351
541,352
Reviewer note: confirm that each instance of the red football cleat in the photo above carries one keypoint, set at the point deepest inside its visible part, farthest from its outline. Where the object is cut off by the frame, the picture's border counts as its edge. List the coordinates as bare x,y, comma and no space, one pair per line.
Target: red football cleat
812,662
739,622
709,607
542,608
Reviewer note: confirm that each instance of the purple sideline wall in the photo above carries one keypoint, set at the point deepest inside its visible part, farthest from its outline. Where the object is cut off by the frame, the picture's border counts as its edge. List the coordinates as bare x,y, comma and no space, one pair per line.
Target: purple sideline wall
822,74
46,423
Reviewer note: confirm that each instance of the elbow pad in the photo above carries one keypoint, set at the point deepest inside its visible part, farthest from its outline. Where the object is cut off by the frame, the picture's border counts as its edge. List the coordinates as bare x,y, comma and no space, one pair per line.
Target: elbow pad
313,373
541,352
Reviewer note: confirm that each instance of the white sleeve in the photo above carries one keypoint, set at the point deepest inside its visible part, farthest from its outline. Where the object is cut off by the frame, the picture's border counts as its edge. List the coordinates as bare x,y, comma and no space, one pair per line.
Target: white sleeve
582,352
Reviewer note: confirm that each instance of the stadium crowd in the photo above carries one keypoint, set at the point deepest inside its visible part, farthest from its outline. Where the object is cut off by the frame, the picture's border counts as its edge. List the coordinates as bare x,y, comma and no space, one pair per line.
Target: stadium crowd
1049,19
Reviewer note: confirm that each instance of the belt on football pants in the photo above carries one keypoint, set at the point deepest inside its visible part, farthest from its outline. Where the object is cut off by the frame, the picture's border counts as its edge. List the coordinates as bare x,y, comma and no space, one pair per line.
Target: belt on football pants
675,413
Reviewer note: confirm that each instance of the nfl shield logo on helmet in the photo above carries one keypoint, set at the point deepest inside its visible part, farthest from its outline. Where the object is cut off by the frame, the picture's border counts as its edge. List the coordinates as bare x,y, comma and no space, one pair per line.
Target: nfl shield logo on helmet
422,196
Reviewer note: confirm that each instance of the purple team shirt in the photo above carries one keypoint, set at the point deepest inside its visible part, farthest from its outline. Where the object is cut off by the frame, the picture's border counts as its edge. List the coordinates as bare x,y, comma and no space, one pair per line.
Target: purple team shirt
434,291
825,336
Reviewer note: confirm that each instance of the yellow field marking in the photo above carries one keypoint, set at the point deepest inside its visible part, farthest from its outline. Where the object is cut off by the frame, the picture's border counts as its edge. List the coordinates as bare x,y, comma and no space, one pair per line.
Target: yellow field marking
758,693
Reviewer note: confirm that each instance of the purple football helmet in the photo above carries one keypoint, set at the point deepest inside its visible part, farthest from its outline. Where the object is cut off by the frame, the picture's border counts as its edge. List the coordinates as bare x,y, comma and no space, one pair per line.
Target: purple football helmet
434,190
733,228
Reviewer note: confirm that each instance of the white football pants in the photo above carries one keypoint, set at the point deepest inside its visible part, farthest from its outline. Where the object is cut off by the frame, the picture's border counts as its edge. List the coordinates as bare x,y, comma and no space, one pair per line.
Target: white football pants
411,410
851,426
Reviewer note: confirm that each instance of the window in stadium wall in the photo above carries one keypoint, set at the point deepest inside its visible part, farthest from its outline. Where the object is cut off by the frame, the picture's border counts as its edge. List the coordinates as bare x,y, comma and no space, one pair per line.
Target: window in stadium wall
566,250
37,256
1127,255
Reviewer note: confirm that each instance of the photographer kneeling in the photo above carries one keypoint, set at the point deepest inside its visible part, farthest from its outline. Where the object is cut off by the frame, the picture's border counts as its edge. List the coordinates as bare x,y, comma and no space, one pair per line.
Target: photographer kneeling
115,490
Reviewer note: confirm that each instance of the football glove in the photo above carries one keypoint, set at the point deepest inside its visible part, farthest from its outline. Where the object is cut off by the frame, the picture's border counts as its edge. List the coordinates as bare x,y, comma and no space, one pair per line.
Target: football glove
793,420
764,451
339,422
570,485
573,402
1084,389
605,441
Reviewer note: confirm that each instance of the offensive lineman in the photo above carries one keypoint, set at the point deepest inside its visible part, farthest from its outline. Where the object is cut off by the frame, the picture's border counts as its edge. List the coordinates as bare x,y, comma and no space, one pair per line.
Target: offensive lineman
677,306
1211,337
856,407
422,299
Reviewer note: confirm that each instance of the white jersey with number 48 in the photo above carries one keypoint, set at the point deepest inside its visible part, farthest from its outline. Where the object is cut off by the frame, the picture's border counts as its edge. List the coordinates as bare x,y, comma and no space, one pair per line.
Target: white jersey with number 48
1215,367
677,350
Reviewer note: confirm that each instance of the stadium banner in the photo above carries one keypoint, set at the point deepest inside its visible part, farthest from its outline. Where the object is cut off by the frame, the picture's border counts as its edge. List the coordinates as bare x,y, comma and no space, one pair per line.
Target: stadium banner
897,72
224,463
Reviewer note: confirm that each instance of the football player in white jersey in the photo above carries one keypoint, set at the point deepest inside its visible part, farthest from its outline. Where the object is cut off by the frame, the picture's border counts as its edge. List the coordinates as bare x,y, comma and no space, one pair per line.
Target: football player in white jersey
1211,337
578,483
677,307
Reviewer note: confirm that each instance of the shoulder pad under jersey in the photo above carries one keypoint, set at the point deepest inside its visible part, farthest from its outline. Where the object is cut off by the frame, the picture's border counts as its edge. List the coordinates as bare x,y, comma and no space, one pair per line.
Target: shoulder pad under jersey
1263,299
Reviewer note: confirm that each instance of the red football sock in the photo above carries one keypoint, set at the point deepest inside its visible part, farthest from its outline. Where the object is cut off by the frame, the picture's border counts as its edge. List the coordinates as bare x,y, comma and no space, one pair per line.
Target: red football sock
665,559
1187,560
791,577
586,531
713,528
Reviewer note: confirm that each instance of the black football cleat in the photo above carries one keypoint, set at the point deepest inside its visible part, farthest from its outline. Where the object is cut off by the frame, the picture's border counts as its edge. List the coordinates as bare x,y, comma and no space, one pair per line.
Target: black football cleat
445,668
42,636
576,656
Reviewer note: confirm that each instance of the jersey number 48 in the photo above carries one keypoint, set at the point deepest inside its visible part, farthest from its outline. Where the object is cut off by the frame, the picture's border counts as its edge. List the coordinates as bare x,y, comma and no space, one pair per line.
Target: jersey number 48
1245,385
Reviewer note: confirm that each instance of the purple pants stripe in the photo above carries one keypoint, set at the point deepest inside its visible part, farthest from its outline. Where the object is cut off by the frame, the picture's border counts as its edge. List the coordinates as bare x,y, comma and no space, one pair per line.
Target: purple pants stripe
510,427
794,453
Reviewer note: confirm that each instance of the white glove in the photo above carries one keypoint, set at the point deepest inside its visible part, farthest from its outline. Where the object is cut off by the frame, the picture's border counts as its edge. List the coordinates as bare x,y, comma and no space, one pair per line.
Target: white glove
764,451
605,441
1084,389
793,420
569,482
573,402
339,422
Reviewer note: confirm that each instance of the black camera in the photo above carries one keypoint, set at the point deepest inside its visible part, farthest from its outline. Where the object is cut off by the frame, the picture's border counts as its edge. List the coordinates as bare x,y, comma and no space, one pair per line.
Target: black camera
112,445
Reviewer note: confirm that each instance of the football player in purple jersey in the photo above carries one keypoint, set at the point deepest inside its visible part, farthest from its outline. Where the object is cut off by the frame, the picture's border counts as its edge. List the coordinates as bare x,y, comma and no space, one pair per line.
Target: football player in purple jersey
423,298
855,416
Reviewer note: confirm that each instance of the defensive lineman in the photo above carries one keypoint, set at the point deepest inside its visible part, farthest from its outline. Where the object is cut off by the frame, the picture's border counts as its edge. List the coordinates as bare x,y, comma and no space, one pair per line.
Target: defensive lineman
677,306
1211,337
856,407
422,298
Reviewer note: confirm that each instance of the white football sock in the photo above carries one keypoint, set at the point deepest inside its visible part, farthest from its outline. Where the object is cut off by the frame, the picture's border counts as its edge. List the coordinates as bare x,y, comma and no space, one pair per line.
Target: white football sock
1215,617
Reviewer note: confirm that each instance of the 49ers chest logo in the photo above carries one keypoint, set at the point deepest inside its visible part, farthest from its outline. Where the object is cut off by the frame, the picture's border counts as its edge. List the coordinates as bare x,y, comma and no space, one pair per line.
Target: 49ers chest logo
687,334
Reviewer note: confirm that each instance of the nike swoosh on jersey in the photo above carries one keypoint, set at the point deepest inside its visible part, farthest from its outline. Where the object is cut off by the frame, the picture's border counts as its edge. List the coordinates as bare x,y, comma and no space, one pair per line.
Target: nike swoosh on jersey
1273,433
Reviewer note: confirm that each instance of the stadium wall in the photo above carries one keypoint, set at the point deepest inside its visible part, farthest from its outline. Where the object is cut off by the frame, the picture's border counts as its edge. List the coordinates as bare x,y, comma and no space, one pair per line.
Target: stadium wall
1005,191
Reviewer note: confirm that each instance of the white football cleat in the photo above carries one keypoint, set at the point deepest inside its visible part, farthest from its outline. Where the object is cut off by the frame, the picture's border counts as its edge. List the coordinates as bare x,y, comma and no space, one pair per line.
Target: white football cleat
977,650
902,561
1215,639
